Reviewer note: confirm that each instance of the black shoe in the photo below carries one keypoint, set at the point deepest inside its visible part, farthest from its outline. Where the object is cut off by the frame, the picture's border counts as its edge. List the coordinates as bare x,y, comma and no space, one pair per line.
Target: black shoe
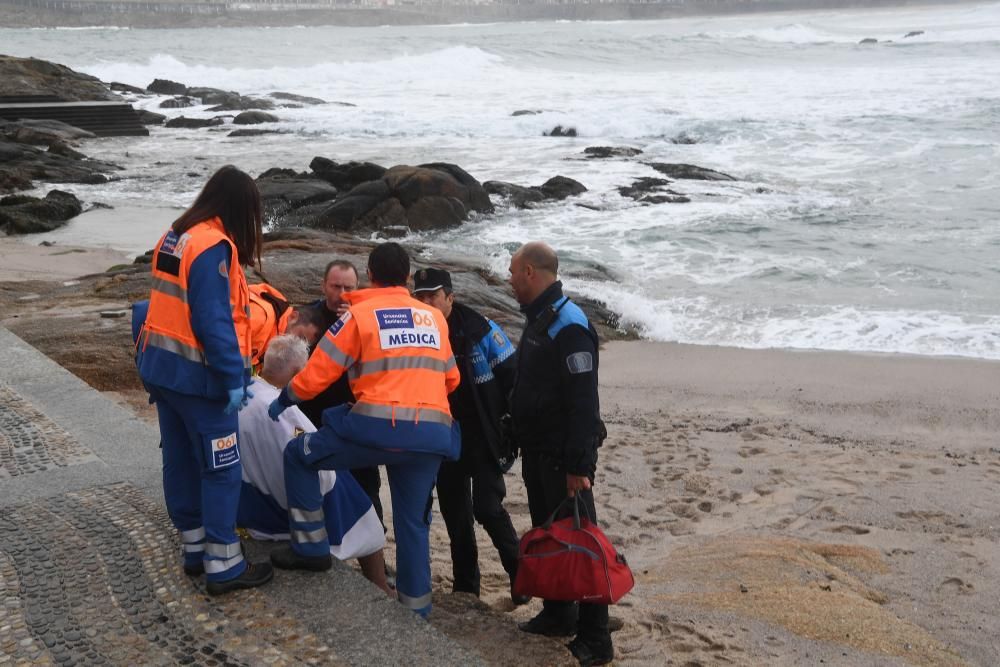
194,570
518,600
286,559
256,574
549,626
615,624
590,653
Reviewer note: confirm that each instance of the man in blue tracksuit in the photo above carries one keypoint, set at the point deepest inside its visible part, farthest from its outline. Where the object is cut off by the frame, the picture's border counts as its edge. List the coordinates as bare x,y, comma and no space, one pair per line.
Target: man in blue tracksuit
556,419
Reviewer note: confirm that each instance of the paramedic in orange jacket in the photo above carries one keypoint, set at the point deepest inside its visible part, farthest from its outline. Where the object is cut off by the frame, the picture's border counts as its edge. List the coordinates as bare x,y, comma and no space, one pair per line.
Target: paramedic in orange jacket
193,354
396,354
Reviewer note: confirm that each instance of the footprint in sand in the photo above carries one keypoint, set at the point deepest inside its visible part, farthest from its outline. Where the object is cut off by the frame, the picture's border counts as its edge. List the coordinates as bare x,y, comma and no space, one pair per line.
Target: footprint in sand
849,530
938,471
747,452
956,585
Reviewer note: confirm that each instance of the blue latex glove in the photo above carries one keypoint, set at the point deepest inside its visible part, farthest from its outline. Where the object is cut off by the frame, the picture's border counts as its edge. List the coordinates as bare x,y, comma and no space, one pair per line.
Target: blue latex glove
238,399
275,409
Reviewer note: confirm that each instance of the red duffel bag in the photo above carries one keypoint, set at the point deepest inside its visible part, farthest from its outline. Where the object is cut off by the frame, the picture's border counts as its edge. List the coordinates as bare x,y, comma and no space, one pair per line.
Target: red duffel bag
571,559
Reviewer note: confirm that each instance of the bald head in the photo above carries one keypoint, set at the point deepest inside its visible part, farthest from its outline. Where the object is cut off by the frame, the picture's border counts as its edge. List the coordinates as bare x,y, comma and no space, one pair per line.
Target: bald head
533,269
539,255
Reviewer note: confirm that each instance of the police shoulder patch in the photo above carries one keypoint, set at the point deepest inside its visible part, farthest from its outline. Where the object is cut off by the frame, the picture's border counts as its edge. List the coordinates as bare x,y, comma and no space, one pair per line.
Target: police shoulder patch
580,362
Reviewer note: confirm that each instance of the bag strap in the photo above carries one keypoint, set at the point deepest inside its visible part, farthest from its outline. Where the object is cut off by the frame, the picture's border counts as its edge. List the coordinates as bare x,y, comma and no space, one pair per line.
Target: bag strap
576,512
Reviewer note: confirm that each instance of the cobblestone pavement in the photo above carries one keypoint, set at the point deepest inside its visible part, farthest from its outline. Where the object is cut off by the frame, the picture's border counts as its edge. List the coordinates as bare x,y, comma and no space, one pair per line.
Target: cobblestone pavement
94,577
30,442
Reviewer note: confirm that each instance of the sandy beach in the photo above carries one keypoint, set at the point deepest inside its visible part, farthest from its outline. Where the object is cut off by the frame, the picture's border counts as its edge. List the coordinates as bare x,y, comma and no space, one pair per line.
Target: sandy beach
784,508
27,260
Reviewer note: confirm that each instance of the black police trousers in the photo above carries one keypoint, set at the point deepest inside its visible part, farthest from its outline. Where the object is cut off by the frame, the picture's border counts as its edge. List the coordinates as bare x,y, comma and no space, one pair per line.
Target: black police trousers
545,483
469,489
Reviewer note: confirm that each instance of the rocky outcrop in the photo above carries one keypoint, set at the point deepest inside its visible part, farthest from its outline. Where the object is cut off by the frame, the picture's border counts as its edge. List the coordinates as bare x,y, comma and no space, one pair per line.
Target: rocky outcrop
602,152
27,77
254,132
433,196
179,102
555,189
20,214
346,175
254,118
301,99
650,190
167,87
20,164
150,117
913,33
526,112
194,123
868,40
42,132
560,131
690,171
240,103
125,88
283,191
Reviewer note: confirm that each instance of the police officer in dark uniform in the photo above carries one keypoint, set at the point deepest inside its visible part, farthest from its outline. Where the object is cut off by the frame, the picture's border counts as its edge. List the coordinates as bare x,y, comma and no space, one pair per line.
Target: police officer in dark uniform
473,487
556,422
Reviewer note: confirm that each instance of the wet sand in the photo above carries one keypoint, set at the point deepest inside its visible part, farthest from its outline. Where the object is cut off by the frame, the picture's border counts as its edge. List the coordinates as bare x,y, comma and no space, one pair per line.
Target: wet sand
27,260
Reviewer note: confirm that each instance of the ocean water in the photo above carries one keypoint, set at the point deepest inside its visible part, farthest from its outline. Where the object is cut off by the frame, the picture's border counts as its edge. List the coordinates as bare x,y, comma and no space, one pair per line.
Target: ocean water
867,211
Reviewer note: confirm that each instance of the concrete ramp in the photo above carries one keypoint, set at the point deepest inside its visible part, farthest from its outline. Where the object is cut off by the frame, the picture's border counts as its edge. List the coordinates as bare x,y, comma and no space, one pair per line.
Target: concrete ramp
90,567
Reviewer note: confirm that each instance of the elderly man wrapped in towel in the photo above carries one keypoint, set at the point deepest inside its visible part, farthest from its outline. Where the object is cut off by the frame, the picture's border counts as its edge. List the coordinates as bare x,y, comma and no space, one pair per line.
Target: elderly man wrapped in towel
352,526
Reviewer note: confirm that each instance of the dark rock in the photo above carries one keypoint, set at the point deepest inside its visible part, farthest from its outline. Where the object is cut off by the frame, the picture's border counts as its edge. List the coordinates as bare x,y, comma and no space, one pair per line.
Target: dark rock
254,132
281,193
346,175
42,132
421,198
254,118
275,172
60,148
194,123
665,199
291,97
167,87
213,95
690,171
125,88
561,187
343,104
240,103
913,33
683,139
868,40
611,151
526,112
479,199
30,76
180,102
150,117
559,131
20,214
518,196
21,163
642,186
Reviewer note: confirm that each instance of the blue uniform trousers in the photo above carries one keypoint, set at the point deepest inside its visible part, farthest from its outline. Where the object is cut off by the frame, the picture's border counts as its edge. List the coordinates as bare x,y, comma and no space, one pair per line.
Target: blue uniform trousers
411,481
202,476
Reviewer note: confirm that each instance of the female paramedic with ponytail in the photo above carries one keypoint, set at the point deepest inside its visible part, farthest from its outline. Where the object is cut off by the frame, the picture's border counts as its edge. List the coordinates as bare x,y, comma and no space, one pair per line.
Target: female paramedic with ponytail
193,354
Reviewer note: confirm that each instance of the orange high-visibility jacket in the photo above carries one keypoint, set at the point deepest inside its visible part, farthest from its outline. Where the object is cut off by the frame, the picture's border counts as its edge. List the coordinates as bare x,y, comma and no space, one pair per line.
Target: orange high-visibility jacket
170,353
396,353
265,320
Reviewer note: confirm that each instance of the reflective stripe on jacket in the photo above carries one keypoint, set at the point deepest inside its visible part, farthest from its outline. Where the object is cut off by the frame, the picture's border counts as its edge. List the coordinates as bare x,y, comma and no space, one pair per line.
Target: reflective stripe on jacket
397,357
266,321
170,353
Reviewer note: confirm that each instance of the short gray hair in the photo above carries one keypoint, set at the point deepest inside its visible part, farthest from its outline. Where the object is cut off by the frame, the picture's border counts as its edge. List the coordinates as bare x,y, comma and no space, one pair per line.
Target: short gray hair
286,355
